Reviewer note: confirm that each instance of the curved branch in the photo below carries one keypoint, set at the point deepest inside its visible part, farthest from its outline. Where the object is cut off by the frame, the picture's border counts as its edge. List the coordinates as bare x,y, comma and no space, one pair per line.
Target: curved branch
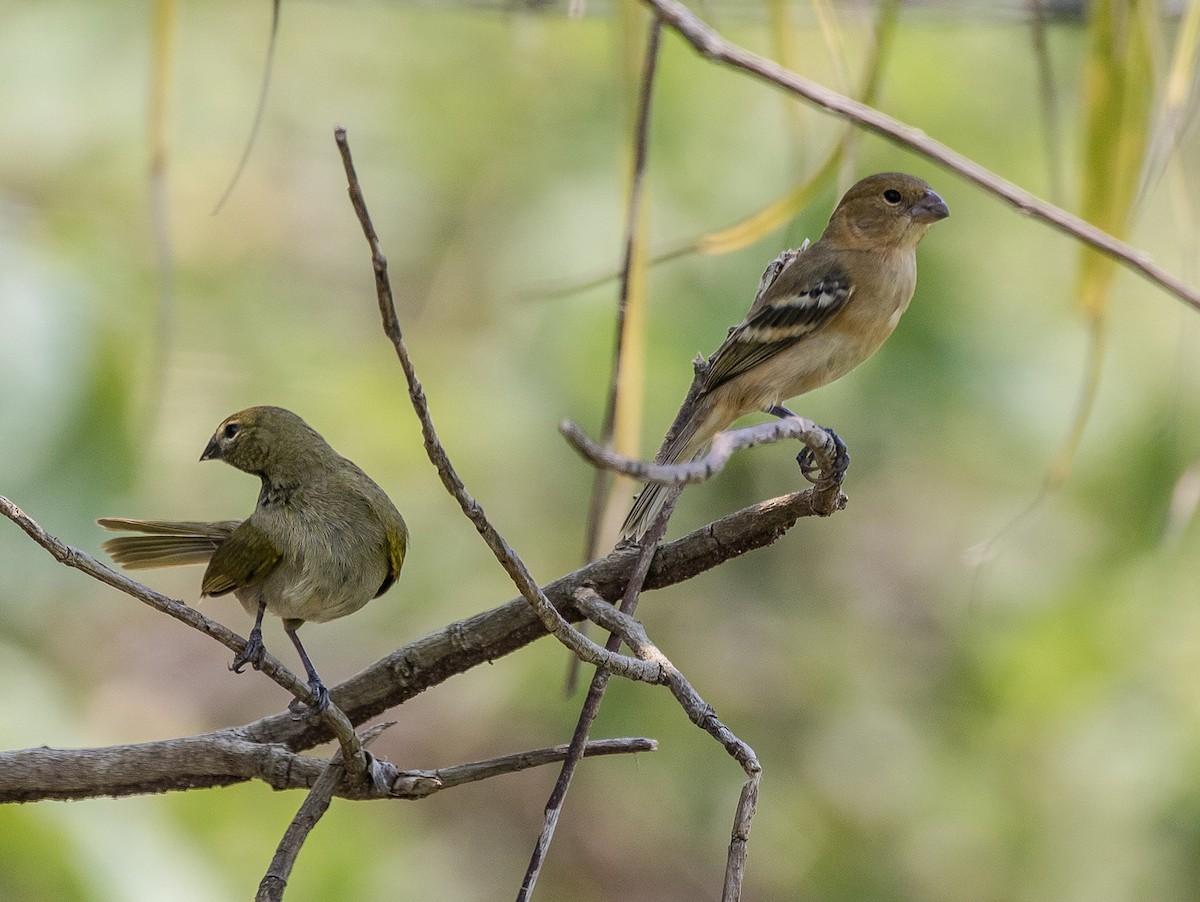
472,509
316,803
336,721
262,749
827,496
703,716
225,757
485,637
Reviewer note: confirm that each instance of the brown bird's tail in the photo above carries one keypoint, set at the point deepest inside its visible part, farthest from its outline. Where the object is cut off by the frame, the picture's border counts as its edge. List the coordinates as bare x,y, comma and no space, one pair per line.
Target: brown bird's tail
696,423
165,543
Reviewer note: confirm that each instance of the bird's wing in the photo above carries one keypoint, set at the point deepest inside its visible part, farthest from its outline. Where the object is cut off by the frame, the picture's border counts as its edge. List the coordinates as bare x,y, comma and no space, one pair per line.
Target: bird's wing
395,546
247,557
797,302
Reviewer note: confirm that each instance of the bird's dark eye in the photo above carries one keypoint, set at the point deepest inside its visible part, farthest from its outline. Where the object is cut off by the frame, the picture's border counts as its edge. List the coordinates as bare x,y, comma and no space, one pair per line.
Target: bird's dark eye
892,196
231,430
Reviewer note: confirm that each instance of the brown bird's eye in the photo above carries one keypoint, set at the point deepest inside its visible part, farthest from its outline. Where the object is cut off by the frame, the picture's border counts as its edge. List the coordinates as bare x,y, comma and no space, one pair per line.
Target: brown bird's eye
231,430
892,196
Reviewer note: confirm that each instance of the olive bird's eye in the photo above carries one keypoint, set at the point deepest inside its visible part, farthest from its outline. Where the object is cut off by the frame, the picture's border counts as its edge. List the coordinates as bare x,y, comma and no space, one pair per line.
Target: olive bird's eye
231,430
892,196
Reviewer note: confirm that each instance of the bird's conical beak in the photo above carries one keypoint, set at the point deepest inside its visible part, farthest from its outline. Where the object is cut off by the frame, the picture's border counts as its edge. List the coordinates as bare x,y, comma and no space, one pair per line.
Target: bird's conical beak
930,208
212,451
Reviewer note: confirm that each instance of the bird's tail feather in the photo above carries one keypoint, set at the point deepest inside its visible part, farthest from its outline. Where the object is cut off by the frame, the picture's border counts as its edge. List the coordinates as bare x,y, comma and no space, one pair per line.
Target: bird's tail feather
165,543
694,426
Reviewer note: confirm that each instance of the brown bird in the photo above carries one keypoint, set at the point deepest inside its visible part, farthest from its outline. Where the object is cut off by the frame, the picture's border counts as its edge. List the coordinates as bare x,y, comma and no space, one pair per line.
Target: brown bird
820,312
323,540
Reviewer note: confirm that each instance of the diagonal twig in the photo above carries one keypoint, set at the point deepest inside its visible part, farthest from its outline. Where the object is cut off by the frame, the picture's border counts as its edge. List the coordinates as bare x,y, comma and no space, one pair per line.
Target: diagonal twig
590,708
263,90
712,46
633,634
826,493
604,490
316,803
602,480
261,749
633,212
333,718
508,558
554,622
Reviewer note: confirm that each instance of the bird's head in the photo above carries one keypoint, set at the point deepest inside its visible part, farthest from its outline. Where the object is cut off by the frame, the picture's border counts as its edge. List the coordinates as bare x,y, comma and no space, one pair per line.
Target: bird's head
889,209
265,440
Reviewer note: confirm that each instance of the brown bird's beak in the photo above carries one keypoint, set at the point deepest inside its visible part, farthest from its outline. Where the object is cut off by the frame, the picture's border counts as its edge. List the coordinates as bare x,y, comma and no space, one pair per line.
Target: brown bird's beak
212,451
930,208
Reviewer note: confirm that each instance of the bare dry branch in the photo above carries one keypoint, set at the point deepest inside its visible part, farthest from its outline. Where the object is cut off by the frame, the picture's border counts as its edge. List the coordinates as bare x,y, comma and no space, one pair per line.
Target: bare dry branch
262,749
223,757
508,558
724,445
602,482
633,215
336,721
633,634
426,782
316,803
711,45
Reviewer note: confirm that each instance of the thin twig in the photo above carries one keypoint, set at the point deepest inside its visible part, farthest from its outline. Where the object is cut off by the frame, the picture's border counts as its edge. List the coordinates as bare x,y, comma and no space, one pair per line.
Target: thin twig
261,750
724,446
263,90
337,722
632,218
508,558
603,489
700,713
427,782
711,45
828,491
504,553
316,803
588,712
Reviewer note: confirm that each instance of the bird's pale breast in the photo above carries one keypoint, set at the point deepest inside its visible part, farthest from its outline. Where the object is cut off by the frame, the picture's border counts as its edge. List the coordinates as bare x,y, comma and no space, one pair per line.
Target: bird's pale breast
331,569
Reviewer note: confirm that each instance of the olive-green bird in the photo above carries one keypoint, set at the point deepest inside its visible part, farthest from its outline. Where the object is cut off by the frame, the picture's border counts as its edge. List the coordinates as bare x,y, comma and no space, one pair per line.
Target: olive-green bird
323,540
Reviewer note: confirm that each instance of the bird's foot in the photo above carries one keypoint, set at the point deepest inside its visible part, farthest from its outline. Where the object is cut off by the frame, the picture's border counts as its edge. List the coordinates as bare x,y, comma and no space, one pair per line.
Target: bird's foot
320,693
251,654
812,470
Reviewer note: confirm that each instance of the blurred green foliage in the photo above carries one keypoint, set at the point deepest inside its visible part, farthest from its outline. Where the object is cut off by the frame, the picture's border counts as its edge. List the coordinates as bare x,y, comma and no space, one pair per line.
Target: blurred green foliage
931,727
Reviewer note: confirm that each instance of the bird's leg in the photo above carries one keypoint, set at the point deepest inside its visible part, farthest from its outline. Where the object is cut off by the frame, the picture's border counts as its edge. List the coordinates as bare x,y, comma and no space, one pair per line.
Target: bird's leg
841,462
253,650
806,460
320,693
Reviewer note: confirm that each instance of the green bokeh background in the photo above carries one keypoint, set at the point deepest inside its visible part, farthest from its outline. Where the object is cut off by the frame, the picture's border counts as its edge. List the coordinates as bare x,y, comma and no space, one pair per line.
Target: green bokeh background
931,729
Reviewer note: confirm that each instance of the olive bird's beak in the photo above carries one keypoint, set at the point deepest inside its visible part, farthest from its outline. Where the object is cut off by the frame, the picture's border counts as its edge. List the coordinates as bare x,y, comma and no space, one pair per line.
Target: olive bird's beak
930,208
212,451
